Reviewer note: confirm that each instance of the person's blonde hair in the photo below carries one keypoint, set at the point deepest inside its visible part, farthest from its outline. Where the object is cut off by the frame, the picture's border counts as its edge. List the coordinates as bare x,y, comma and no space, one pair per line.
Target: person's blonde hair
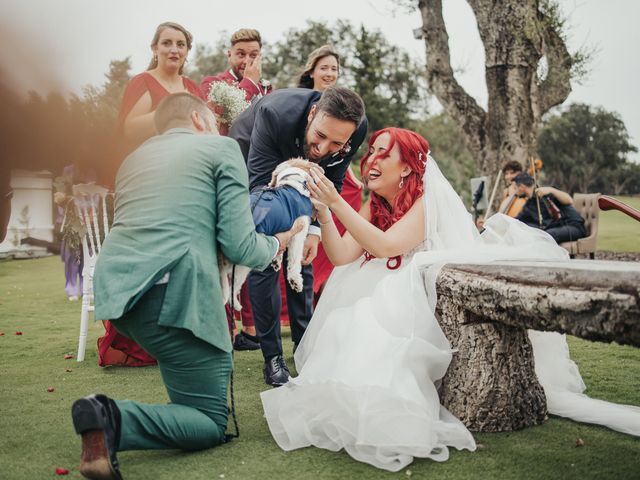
156,38
246,35
305,80
175,111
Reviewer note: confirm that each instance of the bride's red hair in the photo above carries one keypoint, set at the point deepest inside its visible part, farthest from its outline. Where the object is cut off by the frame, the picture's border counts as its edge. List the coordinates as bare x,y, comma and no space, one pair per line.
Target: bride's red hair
413,152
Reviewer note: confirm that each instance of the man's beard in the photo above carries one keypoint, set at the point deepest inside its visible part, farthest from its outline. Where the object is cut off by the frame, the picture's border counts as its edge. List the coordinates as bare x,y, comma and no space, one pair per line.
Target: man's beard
237,72
306,148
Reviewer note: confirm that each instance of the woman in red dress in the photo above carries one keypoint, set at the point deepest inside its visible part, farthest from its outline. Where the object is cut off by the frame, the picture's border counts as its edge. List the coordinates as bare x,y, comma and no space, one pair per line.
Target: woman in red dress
170,46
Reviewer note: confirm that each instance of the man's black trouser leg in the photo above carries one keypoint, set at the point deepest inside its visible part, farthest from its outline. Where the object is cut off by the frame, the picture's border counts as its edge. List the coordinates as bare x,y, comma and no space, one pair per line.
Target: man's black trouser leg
300,304
566,233
264,292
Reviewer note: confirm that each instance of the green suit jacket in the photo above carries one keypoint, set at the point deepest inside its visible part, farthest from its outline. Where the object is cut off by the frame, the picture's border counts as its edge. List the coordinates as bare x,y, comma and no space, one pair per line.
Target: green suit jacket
179,197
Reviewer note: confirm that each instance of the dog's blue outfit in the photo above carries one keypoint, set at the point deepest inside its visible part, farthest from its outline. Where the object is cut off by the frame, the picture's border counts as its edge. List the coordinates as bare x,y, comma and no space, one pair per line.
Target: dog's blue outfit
275,209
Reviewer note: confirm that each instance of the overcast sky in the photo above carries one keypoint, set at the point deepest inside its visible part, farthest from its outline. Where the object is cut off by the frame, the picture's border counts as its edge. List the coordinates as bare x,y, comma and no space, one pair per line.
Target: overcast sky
68,43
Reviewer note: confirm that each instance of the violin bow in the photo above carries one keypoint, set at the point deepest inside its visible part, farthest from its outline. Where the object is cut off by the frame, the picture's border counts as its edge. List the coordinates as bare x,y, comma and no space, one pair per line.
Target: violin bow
493,194
535,181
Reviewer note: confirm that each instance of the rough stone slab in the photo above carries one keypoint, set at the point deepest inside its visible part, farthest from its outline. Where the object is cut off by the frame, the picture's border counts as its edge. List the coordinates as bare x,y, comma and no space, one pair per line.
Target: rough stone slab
594,300
485,311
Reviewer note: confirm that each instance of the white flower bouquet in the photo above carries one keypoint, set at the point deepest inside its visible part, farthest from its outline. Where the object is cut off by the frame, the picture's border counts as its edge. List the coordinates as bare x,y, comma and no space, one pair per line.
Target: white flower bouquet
229,100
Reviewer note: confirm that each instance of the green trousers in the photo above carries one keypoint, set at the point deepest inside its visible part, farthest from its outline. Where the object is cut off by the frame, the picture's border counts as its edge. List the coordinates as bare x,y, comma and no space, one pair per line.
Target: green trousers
196,375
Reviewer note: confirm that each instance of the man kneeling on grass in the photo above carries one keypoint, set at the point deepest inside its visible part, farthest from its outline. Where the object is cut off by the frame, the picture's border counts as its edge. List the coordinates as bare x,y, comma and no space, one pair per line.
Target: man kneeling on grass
178,196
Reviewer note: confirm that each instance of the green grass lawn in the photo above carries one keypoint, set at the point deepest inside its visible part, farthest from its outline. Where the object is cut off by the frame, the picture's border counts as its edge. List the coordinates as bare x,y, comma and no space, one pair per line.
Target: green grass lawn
618,232
37,435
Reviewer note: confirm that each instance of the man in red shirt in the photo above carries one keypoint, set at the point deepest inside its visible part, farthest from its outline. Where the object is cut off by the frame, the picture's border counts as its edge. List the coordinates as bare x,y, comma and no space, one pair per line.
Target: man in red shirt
245,66
245,72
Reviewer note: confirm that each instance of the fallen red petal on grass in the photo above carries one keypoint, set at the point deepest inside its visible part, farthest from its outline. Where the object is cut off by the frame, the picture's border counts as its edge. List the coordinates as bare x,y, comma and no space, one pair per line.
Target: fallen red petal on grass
18,333
1,334
62,471
67,356
50,389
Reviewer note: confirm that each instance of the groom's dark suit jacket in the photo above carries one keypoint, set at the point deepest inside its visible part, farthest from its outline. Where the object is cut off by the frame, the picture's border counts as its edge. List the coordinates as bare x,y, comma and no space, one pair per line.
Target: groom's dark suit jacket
272,130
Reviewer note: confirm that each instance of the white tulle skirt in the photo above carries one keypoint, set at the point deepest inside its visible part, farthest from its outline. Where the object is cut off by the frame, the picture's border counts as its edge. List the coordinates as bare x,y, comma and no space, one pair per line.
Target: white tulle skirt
373,354
368,366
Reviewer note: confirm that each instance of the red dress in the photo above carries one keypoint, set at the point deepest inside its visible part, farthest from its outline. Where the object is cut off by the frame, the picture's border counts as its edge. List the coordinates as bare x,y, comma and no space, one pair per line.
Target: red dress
138,86
322,266
114,348
145,82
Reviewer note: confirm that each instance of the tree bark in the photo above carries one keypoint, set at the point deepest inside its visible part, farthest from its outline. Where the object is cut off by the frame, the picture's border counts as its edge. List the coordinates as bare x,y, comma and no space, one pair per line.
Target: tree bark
485,311
516,35
490,384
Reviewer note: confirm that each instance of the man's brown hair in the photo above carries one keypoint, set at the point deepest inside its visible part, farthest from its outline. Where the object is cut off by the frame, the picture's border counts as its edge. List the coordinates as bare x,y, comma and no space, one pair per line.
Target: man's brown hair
246,35
342,104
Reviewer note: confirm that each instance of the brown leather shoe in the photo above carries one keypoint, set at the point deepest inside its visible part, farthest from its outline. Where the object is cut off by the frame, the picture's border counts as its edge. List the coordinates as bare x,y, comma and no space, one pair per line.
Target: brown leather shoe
96,418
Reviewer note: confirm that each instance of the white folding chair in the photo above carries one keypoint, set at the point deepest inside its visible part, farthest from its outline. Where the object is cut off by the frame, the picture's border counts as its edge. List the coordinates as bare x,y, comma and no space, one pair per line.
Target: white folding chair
89,200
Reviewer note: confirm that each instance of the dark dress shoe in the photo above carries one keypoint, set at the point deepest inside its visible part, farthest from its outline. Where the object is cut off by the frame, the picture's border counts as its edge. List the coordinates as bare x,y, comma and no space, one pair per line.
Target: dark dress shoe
97,419
244,341
275,371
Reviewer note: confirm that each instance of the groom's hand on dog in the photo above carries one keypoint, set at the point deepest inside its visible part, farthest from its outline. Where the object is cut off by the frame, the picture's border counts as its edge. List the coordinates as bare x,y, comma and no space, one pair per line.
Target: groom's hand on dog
285,237
310,249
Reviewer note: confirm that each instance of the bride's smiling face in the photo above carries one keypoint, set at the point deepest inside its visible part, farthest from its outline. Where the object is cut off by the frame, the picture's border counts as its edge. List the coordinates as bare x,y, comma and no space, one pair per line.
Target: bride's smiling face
385,168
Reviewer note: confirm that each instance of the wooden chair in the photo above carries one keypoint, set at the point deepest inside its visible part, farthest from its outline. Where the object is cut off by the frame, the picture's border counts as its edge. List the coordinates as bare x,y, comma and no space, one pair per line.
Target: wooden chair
587,206
91,204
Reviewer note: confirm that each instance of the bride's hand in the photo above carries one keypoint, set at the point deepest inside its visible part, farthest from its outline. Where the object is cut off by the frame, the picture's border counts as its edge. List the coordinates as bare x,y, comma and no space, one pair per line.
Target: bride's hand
322,188
322,212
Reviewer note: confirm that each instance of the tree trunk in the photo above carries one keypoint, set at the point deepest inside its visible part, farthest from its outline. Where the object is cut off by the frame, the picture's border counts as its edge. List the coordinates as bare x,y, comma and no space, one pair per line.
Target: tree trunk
516,35
491,385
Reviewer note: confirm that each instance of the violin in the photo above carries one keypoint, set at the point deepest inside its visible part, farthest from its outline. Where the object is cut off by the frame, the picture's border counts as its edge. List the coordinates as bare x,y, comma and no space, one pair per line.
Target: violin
551,207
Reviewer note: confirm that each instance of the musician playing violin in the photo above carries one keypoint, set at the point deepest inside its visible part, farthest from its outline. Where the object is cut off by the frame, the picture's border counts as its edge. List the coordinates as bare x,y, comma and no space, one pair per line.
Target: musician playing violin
554,212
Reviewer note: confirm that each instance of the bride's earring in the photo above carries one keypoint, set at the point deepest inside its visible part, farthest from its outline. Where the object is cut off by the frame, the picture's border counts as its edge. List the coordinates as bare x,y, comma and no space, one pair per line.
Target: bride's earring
401,182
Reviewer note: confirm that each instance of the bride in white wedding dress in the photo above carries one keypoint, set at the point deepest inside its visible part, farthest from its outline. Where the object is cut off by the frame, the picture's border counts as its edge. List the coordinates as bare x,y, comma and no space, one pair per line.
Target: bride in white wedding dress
373,354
